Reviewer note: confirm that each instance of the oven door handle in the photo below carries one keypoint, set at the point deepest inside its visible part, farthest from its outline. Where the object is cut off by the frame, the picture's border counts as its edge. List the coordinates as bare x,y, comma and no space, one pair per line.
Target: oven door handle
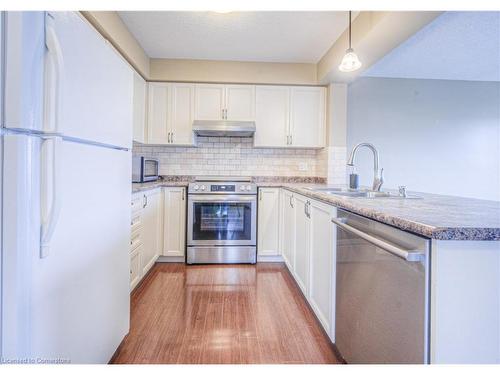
222,198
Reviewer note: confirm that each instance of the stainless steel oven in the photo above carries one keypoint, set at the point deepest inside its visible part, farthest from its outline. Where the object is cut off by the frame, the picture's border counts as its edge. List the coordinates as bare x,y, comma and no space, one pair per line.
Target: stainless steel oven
222,219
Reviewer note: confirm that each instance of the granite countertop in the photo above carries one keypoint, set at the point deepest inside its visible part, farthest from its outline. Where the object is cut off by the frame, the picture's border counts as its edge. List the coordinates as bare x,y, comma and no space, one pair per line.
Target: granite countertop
440,217
434,216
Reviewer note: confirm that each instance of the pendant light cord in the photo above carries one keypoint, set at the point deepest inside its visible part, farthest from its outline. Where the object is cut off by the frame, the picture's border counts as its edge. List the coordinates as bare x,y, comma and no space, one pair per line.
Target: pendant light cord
349,29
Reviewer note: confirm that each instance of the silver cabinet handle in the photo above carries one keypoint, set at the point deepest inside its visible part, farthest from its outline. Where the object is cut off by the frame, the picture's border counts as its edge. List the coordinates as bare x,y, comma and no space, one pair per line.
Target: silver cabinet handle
143,200
291,203
291,139
305,208
172,137
182,194
408,255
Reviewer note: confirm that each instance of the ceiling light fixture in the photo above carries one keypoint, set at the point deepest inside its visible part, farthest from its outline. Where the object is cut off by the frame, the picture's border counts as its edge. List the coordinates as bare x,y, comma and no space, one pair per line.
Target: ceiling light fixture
350,61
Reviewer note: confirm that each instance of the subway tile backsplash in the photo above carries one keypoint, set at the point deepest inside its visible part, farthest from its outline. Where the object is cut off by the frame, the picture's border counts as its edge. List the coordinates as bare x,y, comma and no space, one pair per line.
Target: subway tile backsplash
223,156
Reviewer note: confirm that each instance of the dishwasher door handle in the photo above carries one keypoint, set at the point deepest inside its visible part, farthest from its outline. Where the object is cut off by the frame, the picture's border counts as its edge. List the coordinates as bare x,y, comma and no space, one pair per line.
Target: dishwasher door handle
408,255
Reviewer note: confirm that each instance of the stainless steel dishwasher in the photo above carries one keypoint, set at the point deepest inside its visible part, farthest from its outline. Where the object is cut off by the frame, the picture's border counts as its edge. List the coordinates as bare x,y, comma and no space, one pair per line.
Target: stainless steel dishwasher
382,298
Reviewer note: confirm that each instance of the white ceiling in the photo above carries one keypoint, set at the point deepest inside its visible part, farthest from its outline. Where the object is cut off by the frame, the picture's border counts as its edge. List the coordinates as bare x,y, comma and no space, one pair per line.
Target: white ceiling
455,46
299,37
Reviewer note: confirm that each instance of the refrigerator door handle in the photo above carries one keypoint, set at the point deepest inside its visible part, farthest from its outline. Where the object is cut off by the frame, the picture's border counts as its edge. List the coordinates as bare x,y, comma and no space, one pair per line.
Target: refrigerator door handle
53,72
49,222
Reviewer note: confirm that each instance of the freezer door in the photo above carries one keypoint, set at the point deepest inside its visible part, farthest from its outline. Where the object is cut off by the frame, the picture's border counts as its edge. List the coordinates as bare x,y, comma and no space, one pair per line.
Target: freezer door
91,85
72,304
24,47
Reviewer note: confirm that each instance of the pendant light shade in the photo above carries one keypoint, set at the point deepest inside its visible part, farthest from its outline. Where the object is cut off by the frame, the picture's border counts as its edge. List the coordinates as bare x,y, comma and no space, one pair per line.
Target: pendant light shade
350,61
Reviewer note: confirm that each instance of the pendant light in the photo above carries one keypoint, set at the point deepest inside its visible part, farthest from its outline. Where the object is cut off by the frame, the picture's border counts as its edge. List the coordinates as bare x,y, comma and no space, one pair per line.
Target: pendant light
350,61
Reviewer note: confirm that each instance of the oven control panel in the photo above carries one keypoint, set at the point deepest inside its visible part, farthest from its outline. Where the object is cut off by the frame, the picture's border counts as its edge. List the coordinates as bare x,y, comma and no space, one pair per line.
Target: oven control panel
219,188
222,188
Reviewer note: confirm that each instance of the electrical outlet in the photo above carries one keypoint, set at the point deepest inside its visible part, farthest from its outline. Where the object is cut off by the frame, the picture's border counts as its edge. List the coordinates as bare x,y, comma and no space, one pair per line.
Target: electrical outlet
303,167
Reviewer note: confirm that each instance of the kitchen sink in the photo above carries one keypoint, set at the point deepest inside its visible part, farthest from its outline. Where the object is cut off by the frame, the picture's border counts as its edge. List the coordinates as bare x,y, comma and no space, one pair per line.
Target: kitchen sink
362,193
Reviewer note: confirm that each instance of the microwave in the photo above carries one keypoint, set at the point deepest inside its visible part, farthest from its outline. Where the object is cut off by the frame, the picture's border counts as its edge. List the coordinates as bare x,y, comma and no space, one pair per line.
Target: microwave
144,169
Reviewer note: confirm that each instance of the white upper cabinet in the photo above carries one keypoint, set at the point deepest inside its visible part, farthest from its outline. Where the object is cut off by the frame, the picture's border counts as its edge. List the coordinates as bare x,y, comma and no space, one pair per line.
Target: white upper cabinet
182,113
290,117
240,102
158,100
170,113
272,116
307,117
140,87
225,102
209,102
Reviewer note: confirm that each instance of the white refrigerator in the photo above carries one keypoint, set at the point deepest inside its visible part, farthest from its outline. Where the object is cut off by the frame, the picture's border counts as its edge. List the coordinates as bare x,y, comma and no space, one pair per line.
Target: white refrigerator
65,186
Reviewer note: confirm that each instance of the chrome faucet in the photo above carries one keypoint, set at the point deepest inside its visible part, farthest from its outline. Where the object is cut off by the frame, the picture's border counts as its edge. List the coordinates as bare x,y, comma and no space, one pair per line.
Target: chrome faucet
378,178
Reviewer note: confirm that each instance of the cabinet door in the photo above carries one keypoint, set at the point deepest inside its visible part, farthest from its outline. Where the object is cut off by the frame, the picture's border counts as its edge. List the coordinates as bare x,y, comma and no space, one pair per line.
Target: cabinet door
209,102
307,117
272,116
240,102
322,247
140,87
150,236
182,113
158,98
301,240
135,268
174,221
288,232
268,222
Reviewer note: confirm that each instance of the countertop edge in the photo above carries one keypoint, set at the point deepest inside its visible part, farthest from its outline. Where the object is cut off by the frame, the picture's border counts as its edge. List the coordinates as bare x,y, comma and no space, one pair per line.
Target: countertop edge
428,231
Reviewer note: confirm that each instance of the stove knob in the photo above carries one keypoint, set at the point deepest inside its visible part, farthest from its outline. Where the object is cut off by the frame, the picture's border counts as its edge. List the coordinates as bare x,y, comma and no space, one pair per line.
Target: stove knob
242,187
203,187
196,187
249,188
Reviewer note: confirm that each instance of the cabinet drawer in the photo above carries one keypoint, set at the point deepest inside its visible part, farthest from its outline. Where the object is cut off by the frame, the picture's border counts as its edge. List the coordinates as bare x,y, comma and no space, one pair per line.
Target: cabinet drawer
135,240
135,268
136,203
135,222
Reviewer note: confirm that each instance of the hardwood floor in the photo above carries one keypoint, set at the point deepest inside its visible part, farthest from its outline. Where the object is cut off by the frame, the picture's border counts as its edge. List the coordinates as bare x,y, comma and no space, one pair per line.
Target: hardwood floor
222,314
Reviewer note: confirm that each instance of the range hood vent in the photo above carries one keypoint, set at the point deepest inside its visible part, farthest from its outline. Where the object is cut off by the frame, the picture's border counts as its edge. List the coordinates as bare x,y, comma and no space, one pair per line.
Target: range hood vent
206,128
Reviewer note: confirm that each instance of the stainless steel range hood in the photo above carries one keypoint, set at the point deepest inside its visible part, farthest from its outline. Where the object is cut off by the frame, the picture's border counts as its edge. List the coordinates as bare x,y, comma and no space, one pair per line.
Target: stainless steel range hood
223,128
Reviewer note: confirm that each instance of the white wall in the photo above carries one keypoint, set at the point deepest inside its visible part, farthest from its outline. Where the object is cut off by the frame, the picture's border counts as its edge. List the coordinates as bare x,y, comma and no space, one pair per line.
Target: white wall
433,136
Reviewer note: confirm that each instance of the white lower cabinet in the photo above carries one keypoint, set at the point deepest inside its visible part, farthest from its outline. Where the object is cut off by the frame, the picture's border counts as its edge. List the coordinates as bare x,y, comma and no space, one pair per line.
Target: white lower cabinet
268,241
135,268
151,229
288,228
322,241
145,233
174,218
308,248
301,240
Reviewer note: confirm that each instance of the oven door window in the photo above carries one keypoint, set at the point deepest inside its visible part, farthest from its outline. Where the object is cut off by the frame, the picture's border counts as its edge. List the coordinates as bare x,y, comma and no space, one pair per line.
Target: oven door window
150,168
222,221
